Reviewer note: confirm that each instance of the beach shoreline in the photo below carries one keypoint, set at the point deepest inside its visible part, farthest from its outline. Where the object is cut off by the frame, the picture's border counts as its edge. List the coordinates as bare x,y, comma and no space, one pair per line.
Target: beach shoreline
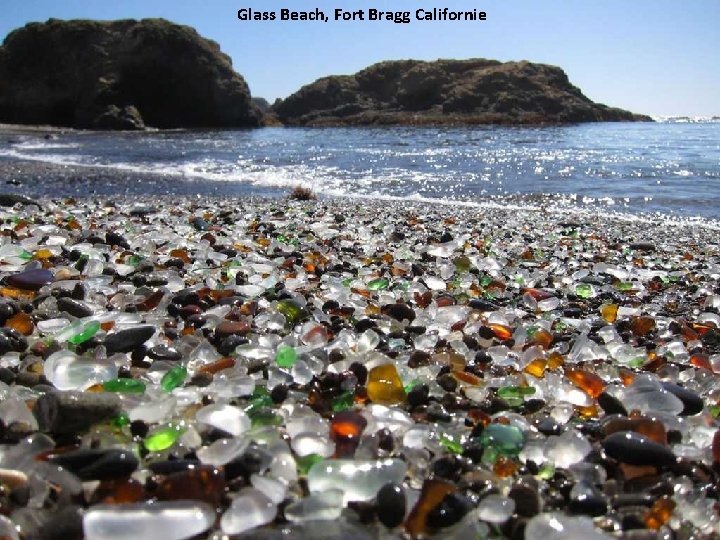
502,349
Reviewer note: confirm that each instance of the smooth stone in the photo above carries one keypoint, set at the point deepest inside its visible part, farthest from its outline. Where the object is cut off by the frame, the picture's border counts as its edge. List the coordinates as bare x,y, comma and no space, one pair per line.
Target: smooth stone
496,508
173,466
201,482
114,239
222,451
175,520
526,494
31,280
451,510
13,479
635,449
325,506
692,403
65,524
643,246
76,308
229,418
248,510
611,405
95,464
74,412
12,341
556,526
164,352
391,505
274,489
231,328
11,199
399,312
126,340
567,449
359,480
586,499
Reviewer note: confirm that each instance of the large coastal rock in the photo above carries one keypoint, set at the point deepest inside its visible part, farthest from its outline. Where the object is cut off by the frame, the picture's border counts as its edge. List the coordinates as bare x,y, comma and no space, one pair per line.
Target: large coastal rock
476,91
120,75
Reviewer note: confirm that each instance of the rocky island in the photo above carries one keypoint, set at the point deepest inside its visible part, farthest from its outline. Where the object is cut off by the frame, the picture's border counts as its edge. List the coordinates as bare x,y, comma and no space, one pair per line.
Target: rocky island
129,74
475,91
121,74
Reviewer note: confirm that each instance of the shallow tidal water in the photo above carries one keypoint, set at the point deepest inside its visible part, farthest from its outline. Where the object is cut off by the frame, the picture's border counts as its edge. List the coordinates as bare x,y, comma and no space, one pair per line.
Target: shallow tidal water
669,167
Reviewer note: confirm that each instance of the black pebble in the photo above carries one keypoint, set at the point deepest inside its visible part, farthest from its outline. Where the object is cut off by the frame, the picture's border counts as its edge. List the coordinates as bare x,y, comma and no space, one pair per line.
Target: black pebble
451,510
66,524
611,405
635,449
391,505
95,464
76,308
126,340
692,403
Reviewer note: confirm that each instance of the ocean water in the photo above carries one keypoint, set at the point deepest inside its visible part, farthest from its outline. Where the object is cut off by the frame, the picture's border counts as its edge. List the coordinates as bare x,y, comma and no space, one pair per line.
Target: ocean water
671,167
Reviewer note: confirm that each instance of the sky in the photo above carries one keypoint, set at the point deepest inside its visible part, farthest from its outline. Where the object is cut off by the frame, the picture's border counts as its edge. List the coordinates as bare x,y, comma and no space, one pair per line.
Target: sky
658,57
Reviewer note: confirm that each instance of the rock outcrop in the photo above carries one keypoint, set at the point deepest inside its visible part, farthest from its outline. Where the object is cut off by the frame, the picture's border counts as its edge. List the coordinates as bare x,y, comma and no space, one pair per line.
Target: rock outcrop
120,75
476,91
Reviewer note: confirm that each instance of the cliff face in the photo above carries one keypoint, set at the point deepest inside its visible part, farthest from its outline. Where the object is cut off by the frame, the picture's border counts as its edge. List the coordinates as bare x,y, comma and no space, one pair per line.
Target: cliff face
476,91
120,75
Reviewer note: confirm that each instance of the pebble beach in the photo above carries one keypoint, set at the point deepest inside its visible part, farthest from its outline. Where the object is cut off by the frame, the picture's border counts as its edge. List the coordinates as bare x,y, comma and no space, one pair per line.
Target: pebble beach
205,367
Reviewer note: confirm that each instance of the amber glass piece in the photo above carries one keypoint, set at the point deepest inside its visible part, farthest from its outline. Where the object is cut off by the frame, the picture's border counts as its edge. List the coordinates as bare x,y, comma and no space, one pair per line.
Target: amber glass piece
501,331
21,322
688,333
433,492
454,360
660,512
202,483
264,242
218,365
642,326
701,328
345,429
652,429
716,447
151,301
384,385
701,360
361,395
397,271
609,312
362,292
537,294
555,360
467,378
588,382
119,491
181,254
504,466
42,254
423,300
478,416
626,376
458,326
217,294
372,310
591,411
107,326
541,337
12,292
536,368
